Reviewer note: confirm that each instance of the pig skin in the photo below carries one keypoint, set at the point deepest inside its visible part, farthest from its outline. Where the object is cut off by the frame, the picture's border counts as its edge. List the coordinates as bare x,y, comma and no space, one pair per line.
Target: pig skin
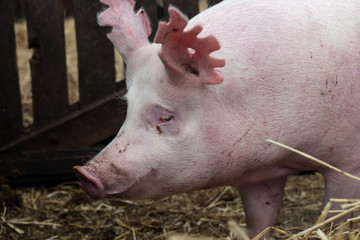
291,74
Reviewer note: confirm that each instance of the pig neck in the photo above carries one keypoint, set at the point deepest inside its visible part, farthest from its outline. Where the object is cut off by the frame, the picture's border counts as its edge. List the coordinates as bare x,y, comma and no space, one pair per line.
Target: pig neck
231,130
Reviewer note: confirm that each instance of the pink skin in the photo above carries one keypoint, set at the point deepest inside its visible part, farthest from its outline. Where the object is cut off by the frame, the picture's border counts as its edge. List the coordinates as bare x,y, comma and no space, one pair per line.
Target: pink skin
203,100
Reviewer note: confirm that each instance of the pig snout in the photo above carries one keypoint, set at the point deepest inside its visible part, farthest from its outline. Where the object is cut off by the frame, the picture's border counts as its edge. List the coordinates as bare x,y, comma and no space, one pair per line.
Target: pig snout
91,185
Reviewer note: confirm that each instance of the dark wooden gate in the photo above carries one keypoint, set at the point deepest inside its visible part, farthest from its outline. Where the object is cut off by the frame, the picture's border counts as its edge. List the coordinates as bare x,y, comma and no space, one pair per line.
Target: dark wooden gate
62,134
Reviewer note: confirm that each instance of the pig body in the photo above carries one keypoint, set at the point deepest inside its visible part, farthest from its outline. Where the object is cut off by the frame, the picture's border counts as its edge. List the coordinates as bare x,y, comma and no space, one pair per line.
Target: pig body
291,73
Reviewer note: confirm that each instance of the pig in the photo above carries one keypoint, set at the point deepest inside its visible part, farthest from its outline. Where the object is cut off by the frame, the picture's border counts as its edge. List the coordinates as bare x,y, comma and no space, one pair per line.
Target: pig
207,93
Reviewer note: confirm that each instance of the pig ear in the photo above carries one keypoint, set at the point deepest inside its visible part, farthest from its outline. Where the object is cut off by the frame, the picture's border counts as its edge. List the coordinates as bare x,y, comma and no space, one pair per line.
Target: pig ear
129,30
184,53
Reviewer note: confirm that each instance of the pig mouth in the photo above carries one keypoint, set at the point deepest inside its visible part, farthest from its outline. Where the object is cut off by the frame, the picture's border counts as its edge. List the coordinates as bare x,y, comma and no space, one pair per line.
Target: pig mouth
91,185
108,29
96,189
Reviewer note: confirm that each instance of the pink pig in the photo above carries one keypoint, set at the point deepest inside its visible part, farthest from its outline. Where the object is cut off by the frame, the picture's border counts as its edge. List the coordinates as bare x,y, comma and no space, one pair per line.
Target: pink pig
203,99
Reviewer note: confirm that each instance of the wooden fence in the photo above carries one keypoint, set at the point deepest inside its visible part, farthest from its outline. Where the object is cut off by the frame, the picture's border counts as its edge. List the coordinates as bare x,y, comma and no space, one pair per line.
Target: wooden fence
62,134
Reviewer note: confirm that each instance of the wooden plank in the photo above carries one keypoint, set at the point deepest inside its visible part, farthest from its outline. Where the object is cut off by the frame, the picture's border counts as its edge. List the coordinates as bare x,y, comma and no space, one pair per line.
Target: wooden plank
42,167
45,24
151,10
81,129
95,53
69,7
189,7
19,8
10,104
213,2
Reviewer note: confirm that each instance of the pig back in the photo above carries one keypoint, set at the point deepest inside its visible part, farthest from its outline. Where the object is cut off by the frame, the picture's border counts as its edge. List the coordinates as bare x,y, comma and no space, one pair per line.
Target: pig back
278,37
290,66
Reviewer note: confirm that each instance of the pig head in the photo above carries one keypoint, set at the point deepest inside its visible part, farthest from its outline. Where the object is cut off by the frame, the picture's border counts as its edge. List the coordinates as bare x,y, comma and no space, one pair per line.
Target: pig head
157,152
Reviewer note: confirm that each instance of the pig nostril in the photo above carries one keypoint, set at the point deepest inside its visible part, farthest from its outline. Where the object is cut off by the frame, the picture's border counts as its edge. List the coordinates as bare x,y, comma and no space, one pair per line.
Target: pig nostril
90,184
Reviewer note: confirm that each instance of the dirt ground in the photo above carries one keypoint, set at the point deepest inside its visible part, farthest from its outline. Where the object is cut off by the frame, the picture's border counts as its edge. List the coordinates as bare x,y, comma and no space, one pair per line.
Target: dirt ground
66,212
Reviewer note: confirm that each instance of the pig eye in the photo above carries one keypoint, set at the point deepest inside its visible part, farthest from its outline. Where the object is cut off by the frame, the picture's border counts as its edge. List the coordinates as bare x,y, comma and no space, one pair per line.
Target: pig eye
165,125
164,119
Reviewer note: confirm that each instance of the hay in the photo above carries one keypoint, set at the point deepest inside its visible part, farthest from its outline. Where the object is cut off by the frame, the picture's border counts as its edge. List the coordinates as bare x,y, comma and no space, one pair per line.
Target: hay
346,230
66,212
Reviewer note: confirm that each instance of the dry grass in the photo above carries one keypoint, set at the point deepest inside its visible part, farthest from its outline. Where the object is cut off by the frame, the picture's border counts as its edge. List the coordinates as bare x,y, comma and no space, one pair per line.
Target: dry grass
65,212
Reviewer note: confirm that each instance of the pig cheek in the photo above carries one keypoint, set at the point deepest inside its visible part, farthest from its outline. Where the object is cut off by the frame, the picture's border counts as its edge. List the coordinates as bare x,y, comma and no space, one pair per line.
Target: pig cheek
130,168
212,134
118,179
